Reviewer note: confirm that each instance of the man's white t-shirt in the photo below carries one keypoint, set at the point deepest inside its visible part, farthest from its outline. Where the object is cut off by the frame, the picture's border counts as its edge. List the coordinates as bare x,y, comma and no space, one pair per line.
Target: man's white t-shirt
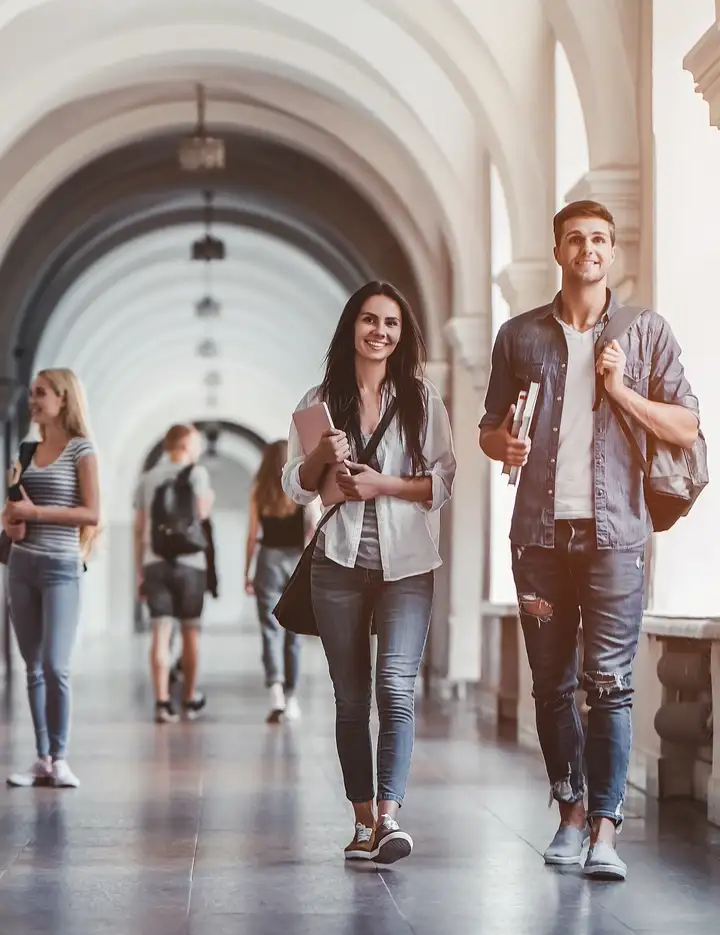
574,479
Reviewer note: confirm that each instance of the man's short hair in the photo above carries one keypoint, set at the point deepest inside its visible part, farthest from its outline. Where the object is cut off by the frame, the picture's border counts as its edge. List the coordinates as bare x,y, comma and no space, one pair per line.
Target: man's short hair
176,435
582,209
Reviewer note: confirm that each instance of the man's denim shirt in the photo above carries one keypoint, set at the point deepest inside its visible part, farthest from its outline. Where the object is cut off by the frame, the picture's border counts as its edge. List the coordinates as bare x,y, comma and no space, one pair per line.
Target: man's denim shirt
532,348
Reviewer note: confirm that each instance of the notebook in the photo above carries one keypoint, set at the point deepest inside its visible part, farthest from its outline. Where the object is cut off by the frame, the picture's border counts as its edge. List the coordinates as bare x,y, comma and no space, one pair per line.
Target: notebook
310,424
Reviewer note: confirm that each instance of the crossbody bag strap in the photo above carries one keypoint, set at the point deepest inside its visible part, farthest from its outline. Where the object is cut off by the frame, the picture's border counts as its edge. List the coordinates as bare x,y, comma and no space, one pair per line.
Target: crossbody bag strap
623,319
25,455
367,453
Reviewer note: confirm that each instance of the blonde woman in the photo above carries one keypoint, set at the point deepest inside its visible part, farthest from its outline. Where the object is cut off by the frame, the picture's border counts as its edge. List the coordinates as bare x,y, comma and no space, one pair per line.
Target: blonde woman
280,527
52,529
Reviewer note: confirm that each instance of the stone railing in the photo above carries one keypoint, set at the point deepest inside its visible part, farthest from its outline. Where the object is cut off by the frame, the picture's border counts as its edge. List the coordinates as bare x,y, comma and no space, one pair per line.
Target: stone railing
675,752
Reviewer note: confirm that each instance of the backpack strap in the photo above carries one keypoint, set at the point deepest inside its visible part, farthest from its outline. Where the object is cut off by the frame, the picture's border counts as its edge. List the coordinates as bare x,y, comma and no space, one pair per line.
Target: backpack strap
183,477
623,319
26,453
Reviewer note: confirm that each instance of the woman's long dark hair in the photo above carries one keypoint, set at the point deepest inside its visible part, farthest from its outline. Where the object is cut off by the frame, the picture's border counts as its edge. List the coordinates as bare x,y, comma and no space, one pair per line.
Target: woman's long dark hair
339,388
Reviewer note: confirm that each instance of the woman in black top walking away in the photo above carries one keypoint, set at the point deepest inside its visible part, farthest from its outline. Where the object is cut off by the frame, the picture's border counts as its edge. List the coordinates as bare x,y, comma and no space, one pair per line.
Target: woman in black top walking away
279,526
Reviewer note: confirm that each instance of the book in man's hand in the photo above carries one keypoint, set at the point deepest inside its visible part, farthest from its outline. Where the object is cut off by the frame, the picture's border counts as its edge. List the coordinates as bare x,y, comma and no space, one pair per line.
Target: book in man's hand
521,425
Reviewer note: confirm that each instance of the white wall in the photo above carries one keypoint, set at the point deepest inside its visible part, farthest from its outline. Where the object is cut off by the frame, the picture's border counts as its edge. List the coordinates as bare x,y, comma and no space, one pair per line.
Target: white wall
686,264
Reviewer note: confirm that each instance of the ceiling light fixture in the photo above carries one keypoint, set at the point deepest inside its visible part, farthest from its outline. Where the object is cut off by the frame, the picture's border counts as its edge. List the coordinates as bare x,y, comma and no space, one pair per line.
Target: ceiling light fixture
208,248
201,152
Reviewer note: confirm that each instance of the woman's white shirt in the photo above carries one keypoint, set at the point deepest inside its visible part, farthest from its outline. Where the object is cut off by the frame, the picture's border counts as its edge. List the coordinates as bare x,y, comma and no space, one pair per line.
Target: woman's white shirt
408,532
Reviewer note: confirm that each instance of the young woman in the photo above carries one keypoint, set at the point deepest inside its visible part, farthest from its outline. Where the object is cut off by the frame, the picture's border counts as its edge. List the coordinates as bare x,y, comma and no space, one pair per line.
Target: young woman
52,529
280,526
376,555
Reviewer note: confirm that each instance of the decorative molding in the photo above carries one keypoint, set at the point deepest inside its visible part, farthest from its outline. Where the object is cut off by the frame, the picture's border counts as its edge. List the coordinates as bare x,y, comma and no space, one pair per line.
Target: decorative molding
617,188
703,63
438,373
471,339
525,284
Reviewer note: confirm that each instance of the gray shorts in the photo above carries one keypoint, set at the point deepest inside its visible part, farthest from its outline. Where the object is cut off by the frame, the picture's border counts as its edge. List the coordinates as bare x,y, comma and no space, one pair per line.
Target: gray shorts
174,590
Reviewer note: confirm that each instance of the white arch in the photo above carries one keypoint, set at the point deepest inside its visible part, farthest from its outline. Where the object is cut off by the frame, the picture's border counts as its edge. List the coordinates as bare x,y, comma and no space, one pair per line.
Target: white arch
596,39
128,328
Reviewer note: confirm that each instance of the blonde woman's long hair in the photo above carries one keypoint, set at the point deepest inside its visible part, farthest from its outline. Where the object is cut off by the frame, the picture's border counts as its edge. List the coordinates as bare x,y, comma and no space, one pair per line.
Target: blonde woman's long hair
76,422
270,498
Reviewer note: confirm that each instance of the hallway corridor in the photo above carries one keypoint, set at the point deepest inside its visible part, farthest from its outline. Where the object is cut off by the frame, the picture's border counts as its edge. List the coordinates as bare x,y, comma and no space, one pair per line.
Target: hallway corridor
227,826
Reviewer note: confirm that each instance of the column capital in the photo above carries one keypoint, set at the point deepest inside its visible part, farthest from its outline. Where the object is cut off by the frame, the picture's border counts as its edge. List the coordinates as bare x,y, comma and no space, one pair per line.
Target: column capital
438,373
618,188
471,340
10,393
525,284
703,63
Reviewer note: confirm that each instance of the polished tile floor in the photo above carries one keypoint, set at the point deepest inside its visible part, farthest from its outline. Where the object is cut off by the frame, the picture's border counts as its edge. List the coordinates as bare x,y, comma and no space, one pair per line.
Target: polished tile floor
227,826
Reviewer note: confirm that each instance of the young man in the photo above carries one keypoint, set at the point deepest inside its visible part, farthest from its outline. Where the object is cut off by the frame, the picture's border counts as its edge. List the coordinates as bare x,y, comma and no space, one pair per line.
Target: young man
580,523
174,587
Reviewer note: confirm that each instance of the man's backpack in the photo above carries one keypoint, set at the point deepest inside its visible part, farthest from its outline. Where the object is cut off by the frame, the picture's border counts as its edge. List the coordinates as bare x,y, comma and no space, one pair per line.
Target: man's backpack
175,527
673,477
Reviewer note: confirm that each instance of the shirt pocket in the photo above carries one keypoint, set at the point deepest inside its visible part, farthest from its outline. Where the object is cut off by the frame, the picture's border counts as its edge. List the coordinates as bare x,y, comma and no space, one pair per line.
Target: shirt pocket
637,375
529,371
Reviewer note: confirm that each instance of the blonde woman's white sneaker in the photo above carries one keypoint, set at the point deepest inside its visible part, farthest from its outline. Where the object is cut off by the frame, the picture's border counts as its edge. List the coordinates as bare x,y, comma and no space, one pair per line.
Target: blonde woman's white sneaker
63,776
39,774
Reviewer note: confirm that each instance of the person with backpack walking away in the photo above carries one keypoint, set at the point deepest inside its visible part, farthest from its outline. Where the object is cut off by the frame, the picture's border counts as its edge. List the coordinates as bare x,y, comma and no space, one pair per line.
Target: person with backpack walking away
280,527
375,556
212,588
584,511
51,520
171,502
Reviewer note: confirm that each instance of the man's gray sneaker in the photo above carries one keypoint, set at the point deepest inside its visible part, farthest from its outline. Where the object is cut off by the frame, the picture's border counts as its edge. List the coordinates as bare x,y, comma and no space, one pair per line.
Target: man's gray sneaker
566,847
604,863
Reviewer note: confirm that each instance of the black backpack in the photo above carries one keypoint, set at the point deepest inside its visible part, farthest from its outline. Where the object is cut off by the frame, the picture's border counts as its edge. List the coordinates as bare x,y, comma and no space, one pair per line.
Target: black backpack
175,527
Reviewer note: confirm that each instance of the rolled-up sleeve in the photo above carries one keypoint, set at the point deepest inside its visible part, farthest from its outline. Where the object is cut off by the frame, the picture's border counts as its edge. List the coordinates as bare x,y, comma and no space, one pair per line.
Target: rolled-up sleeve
438,451
502,388
296,456
668,383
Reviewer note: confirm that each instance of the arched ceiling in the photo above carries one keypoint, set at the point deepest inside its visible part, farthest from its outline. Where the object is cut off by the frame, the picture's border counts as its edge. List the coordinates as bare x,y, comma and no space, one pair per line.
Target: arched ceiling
354,135
128,328
397,94
139,188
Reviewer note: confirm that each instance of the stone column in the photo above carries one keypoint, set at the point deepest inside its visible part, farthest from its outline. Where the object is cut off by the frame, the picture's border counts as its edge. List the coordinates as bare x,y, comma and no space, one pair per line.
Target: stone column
470,340
713,787
435,660
618,188
10,393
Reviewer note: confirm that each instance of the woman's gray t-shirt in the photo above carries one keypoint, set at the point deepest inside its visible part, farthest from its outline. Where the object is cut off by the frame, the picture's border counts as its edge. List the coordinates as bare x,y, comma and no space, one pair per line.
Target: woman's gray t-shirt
56,484
368,555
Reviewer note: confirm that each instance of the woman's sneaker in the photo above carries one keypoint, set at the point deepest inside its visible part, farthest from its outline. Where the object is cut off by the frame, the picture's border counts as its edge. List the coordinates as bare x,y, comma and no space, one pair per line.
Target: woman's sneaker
391,843
165,713
63,776
361,846
292,708
277,704
192,709
39,774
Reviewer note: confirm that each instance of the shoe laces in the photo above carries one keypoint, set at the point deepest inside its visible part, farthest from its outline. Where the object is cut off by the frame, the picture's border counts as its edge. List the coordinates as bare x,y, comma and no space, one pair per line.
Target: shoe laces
389,823
362,833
